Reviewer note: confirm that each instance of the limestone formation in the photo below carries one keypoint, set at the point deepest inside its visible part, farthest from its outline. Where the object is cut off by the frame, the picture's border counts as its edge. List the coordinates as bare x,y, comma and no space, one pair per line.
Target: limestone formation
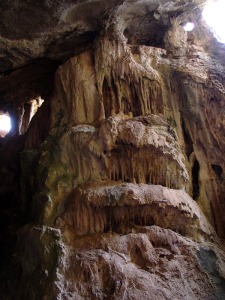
114,188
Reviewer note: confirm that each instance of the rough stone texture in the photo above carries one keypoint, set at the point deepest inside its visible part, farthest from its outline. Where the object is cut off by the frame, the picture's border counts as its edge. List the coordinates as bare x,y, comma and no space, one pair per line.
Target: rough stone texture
115,189
152,263
64,28
98,208
139,80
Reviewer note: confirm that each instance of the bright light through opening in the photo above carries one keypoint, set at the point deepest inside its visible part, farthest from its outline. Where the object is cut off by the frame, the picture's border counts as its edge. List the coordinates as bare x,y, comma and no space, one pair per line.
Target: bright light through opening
213,14
5,125
189,26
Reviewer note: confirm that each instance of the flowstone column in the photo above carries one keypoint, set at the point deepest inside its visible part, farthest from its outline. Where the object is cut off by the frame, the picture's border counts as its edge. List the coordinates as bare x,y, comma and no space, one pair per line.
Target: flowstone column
114,218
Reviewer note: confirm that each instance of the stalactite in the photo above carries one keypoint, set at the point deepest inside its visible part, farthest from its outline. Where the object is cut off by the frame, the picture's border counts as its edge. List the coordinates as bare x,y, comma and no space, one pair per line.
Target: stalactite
91,216
118,84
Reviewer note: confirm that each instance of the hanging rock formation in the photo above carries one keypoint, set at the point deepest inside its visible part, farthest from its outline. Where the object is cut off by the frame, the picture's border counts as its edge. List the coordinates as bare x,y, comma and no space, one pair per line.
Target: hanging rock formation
115,188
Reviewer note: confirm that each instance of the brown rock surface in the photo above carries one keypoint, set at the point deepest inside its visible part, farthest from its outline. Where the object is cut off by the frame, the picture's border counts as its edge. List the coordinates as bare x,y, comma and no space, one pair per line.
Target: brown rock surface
115,188
152,262
119,207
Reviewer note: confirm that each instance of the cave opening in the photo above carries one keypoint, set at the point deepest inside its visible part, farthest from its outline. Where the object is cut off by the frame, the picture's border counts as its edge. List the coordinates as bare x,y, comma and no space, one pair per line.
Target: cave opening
189,26
5,124
213,14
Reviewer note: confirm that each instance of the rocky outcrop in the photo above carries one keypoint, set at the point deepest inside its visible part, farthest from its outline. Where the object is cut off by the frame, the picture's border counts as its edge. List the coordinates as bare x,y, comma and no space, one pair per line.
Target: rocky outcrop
115,188
112,207
151,262
133,81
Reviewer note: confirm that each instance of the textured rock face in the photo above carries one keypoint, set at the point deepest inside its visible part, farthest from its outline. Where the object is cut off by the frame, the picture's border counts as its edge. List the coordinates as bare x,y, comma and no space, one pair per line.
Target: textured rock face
151,263
120,207
60,30
117,183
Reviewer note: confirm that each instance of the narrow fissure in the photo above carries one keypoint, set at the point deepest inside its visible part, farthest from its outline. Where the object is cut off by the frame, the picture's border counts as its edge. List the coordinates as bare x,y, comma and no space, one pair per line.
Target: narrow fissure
195,180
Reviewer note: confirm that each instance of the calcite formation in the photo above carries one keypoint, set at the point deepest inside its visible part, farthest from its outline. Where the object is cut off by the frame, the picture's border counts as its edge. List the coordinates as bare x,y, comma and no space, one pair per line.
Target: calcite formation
115,188
96,208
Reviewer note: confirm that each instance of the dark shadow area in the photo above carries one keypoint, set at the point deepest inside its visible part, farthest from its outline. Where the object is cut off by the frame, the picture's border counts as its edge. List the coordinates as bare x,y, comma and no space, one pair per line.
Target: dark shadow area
195,179
26,83
209,263
145,30
218,170
18,157
187,138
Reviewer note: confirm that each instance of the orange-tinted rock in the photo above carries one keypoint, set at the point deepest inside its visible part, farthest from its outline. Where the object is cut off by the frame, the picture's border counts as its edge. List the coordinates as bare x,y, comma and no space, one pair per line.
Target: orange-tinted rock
121,207
78,99
120,175
150,262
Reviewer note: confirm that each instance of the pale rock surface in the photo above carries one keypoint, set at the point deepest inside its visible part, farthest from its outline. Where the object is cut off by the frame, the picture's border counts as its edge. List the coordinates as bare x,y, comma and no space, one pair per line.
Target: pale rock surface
110,206
150,262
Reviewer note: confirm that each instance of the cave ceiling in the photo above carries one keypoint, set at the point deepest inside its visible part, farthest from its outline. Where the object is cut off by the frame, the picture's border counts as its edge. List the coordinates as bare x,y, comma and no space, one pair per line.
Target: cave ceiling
37,36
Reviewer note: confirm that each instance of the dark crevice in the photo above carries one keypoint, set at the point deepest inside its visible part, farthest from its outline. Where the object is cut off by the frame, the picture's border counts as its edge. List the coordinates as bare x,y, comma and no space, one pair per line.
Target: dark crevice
107,98
152,36
123,219
135,103
218,170
126,106
195,180
187,138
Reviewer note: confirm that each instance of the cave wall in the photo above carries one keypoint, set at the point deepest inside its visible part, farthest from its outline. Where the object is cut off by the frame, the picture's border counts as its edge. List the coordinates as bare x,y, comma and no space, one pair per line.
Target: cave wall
116,189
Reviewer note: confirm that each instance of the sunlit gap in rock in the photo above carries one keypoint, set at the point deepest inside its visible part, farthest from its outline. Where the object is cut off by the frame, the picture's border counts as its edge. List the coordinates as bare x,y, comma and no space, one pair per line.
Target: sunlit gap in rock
189,26
27,113
35,105
5,124
213,14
